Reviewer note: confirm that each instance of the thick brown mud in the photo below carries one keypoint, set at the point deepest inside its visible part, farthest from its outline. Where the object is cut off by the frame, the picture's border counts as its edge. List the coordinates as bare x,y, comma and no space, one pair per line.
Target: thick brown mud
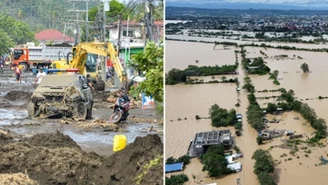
55,159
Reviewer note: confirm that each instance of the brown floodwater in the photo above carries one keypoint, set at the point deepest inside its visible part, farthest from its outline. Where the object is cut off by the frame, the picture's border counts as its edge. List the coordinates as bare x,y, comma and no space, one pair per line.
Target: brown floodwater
181,54
186,101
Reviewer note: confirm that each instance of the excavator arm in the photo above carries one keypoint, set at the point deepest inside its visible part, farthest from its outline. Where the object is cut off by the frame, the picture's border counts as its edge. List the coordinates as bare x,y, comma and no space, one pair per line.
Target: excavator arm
103,49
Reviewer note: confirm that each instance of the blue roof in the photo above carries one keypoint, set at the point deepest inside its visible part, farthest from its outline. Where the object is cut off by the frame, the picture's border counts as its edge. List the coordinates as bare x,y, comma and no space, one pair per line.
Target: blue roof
173,167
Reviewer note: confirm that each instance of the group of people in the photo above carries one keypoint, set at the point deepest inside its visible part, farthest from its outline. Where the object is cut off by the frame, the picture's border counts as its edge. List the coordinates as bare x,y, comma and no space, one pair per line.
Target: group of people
39,76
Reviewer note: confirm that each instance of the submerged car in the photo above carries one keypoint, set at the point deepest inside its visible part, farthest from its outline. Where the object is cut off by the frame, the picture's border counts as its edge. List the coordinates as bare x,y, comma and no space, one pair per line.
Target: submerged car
65,95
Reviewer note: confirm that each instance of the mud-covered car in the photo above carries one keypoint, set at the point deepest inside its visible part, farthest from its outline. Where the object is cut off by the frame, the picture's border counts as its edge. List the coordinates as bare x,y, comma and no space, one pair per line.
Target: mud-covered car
65,95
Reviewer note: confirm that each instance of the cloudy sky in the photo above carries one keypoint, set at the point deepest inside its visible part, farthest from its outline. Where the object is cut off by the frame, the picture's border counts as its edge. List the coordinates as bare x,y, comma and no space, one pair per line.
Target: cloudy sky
299,3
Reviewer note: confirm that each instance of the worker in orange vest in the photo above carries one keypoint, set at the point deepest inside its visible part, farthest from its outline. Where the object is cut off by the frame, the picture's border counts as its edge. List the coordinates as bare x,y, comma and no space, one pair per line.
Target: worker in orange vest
18,72
110,71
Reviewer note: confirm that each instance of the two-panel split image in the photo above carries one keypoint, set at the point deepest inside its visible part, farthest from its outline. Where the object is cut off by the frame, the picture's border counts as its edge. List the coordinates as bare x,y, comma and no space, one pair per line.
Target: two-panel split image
154,92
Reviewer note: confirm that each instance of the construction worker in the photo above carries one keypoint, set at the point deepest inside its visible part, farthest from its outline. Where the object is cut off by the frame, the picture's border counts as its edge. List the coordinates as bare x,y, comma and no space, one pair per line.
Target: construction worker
39,77
90,81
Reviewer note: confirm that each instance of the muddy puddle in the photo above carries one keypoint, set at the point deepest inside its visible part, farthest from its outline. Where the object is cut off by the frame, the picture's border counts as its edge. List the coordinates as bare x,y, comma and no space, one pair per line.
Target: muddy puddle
93,140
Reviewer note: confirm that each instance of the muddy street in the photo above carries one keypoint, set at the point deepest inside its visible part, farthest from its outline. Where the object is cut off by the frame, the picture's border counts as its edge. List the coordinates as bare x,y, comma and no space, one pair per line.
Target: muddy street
67,140
13,116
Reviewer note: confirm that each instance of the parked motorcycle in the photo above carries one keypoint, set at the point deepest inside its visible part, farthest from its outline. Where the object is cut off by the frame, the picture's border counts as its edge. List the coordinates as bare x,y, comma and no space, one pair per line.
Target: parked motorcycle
121,111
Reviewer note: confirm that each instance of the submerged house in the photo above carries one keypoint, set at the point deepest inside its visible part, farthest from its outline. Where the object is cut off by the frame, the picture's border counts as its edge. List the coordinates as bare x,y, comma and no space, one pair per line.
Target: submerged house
203,140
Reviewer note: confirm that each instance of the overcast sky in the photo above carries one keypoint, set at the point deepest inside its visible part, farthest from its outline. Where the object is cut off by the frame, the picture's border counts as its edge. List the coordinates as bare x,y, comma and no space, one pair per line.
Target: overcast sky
303,3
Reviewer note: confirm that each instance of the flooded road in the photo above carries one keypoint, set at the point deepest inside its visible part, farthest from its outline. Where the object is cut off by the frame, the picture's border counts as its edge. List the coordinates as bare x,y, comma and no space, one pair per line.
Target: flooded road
186,101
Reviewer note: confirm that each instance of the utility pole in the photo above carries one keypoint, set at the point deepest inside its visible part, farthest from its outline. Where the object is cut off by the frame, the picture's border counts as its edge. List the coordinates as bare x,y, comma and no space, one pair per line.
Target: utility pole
87,20
105,9
148,22
119,35
78,22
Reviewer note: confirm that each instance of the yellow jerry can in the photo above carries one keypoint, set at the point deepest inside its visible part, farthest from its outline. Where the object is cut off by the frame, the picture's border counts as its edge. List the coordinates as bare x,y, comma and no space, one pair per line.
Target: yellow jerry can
119,142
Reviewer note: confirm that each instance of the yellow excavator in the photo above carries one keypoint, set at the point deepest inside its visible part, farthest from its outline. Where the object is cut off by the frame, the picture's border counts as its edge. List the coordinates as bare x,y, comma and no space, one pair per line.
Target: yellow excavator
84,58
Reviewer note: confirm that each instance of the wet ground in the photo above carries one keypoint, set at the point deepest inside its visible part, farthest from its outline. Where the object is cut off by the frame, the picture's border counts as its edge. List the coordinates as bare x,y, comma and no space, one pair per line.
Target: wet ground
13,117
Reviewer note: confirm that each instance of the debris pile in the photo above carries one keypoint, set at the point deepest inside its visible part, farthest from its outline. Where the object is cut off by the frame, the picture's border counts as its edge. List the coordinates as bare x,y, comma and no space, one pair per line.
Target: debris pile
18,95
100,123
56,159
16,179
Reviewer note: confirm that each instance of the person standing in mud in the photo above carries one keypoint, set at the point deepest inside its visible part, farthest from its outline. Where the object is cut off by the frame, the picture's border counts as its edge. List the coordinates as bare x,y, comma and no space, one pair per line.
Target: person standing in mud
39,77
18,73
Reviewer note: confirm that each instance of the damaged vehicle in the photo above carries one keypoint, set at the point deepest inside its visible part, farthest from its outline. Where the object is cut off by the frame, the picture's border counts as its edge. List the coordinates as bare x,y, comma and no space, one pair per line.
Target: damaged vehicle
66,95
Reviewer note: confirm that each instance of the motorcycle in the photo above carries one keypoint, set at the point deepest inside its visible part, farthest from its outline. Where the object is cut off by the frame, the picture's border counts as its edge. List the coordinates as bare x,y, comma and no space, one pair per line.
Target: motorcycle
121,111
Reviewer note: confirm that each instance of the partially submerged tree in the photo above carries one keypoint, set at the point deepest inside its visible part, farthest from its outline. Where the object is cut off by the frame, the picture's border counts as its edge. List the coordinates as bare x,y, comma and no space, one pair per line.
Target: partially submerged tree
222,117
264,167
305,67
214,162
176,179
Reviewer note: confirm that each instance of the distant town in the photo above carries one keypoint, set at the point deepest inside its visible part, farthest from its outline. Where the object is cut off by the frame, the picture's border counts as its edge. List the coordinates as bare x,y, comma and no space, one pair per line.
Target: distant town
306,26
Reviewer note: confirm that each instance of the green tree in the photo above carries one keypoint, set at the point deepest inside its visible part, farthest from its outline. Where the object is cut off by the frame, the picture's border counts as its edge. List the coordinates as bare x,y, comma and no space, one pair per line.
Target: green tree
151,62
305,67
266,179
271,108
116,8
176,179
170,160
175,76
214,162
19,32
221,117
5,42
263,162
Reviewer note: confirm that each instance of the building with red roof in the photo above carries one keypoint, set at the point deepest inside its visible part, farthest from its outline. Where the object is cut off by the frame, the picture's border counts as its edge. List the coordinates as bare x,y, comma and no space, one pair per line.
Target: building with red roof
53,36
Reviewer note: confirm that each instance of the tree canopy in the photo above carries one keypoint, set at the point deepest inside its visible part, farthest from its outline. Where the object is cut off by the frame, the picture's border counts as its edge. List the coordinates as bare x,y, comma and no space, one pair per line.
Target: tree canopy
222,117
176,179
214,162
151,62
116,8
264,167
13,31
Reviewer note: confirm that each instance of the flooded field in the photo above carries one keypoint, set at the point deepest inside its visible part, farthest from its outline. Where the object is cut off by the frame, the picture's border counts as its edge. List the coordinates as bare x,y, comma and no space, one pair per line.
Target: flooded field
194,100
297,45
186,53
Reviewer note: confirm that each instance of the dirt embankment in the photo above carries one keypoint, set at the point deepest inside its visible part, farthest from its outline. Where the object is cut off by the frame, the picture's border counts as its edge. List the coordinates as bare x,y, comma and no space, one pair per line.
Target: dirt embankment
55,159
